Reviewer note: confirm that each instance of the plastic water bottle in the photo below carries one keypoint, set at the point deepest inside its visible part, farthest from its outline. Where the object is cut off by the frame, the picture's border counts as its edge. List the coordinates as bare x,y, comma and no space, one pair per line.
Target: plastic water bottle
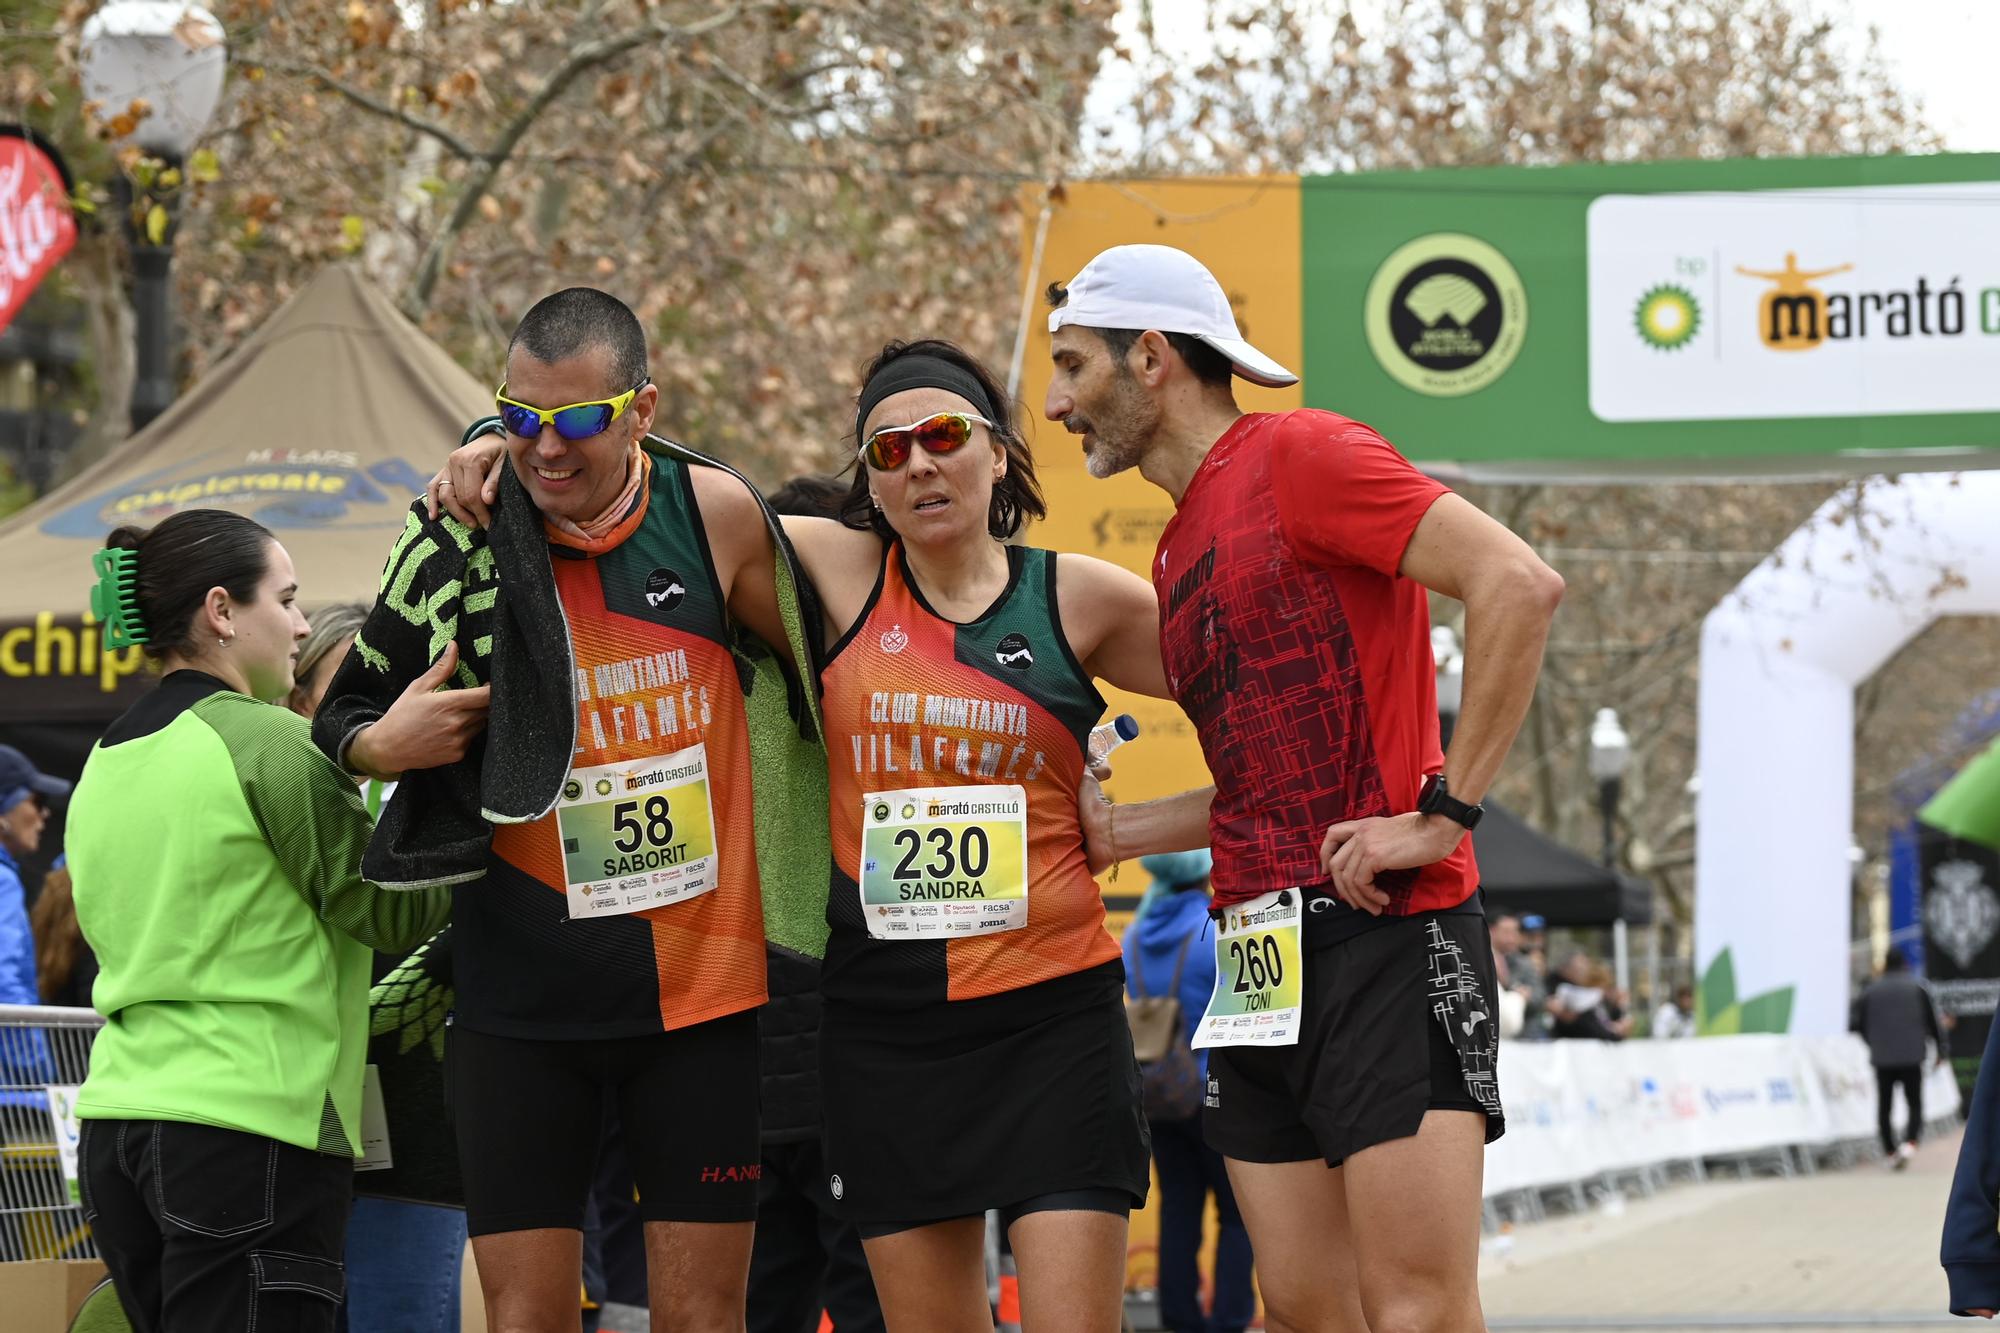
1110,735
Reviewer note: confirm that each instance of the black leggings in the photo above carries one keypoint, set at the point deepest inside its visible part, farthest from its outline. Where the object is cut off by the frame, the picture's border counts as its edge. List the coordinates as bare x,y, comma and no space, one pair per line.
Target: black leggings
1912,1079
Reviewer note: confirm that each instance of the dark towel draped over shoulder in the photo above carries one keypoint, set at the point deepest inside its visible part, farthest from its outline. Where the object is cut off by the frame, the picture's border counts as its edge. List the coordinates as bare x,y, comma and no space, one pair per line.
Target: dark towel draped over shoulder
493,593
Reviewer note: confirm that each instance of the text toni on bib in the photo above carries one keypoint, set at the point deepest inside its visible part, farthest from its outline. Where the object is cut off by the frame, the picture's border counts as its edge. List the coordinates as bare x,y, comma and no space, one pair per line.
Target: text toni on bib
1259,974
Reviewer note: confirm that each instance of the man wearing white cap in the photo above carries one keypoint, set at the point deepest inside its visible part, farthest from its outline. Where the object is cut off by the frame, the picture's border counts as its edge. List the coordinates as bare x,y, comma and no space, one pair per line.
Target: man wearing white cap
1351,1026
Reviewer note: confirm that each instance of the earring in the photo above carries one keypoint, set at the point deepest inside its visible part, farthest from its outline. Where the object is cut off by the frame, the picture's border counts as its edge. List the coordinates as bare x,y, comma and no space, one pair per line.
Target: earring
877,503
222,642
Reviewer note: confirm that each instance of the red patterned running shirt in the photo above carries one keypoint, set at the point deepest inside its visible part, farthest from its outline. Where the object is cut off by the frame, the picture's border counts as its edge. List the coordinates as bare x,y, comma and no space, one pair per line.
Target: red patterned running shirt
1300,653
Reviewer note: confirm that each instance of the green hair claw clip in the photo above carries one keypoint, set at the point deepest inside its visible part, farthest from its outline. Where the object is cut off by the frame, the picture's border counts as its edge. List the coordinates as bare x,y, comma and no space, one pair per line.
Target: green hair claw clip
115,599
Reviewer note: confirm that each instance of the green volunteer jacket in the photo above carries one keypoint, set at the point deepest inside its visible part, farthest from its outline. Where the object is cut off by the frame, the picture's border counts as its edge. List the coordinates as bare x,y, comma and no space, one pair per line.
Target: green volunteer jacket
216,860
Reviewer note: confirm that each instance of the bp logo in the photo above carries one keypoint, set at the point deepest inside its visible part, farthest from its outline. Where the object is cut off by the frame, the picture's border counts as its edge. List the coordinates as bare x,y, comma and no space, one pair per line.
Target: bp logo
664,590
1446,315
909,809
604,786
1667,317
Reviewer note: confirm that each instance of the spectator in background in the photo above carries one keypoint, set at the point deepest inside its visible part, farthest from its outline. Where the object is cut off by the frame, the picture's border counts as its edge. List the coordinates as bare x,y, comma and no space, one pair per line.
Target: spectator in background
1529,966
403,1258
1675,1018
804,1258
1534,942
321,653
24,792
1166,955
1895,1015
1584,1005
63,959
1535,938
320,656
1521,990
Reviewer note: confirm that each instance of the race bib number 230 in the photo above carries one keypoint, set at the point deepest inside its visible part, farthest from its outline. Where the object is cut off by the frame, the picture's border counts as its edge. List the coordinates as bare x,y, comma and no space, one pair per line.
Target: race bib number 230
944,862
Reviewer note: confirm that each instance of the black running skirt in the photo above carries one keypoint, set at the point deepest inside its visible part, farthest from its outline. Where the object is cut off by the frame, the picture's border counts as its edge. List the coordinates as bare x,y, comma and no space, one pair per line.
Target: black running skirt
948,1109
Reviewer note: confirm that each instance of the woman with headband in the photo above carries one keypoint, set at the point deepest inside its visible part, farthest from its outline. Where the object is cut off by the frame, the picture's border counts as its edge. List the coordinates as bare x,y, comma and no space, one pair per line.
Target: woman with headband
974,1053
216,859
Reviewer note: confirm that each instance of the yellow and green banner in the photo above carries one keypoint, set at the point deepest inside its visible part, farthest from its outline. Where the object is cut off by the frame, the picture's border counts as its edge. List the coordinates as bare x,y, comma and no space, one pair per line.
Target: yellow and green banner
1678,317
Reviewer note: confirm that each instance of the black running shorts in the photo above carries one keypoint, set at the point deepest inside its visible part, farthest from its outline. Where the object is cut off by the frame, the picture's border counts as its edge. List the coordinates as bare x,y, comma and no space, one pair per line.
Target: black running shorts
530,1115
1397,1021
941,1110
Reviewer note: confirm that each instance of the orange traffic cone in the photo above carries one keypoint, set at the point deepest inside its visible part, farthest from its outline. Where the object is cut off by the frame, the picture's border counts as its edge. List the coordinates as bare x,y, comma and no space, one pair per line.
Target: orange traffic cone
1009,1320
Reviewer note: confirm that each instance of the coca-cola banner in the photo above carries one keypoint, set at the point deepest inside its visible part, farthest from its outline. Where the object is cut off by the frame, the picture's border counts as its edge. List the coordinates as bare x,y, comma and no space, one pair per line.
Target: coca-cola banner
36,226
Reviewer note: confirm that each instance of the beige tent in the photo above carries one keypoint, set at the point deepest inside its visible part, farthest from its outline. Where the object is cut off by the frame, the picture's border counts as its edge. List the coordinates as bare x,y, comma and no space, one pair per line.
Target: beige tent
321,427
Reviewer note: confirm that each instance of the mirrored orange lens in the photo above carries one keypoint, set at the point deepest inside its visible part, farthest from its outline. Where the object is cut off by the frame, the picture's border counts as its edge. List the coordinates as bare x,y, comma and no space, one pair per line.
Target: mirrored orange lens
942,434
890,449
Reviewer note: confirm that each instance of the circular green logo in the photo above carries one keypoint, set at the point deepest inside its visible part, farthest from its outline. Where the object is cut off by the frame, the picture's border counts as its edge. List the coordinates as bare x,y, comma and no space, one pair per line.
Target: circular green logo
604,786
881,811
1668,317
1446,314
909,810
572,789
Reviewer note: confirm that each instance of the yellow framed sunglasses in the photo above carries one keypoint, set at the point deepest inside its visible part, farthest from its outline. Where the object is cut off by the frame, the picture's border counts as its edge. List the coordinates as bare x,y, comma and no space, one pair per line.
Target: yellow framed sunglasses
573,421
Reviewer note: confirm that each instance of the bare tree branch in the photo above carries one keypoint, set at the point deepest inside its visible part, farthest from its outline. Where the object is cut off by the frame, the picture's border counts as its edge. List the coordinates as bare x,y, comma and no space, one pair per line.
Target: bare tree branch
325,79
580,58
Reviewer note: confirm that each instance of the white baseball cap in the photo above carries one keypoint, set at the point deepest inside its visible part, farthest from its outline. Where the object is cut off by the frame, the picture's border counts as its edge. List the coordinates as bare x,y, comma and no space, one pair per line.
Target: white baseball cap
1159,287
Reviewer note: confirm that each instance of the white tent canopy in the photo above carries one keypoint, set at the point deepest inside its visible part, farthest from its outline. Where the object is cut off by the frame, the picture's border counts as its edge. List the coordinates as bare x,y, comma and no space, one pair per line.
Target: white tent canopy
321,425
1780,658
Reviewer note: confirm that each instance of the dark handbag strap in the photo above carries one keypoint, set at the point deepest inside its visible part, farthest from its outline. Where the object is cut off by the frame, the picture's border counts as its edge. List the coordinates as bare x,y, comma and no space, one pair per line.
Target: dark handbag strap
1180,962
1173,987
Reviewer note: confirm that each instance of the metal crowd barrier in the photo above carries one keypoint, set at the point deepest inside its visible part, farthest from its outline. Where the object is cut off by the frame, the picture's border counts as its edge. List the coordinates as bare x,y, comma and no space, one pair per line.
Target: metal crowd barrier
44,1053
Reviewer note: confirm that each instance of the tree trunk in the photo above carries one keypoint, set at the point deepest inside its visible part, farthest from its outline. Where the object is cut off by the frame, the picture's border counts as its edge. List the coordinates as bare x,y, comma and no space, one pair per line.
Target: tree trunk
96,270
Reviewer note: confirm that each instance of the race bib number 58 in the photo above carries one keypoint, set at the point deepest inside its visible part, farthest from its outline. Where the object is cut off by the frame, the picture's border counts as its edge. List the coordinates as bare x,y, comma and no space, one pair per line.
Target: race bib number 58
1259,975
944,862
637,835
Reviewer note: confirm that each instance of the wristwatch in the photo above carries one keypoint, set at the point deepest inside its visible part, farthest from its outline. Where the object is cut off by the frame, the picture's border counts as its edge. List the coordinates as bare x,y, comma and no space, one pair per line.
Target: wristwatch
1436,799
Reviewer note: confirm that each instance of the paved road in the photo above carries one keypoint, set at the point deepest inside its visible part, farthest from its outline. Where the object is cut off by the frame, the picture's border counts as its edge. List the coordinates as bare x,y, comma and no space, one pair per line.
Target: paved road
1855,1248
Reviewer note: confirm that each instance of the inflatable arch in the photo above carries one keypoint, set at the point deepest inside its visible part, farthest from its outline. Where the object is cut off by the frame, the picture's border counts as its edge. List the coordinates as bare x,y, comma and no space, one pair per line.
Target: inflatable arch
1780,658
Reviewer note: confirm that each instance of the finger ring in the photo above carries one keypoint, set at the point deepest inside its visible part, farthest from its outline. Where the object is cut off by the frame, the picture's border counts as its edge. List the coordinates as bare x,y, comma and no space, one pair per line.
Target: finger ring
446,482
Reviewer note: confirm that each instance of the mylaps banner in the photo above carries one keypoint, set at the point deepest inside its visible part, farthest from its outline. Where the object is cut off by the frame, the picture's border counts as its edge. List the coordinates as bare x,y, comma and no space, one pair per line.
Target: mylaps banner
1665,317
36,226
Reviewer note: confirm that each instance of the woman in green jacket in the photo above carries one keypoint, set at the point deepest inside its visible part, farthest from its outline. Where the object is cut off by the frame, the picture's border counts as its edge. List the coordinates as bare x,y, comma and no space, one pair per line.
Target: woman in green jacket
215,854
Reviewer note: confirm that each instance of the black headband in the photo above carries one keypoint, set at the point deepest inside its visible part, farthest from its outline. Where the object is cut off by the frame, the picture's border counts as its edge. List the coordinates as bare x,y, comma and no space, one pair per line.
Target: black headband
921,371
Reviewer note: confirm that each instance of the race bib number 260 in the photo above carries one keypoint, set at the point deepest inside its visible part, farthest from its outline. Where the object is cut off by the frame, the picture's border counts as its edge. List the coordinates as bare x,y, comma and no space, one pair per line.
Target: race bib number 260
1259,975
